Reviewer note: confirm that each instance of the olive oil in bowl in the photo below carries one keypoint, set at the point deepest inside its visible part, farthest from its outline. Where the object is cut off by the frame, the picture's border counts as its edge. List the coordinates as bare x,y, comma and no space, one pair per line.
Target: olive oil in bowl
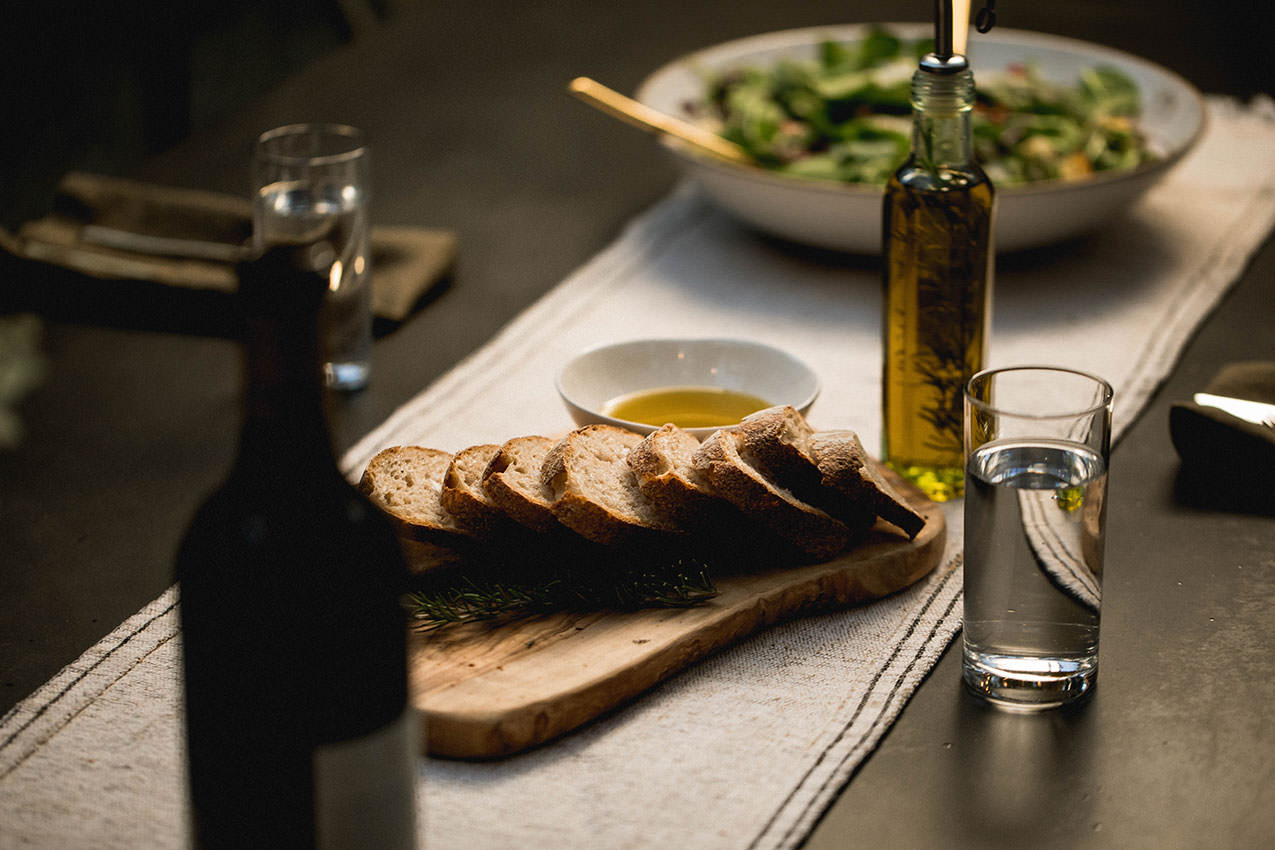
685,407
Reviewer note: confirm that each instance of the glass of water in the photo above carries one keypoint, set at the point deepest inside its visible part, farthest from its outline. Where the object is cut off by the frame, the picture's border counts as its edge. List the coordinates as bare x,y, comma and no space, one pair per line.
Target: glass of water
312,184
1037,443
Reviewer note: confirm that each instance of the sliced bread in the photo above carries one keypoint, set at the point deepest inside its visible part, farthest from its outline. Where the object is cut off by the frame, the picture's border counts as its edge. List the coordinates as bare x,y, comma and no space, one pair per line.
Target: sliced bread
463,495
781,443
512,482
595,493
666,474
845,468
735,476
779,439
406,482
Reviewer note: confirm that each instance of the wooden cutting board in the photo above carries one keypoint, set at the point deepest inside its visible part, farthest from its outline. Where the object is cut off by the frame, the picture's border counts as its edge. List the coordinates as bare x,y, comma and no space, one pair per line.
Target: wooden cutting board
489,691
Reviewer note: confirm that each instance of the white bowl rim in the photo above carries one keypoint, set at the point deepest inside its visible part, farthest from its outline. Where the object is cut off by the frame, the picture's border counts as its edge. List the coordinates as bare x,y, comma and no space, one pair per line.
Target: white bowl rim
804,404
803,36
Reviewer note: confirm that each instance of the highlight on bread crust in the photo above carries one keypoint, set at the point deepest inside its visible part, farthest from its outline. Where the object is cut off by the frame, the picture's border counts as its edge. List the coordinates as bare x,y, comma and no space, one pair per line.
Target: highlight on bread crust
595,493
845,468
779,439
406,482
734,474
663,462
463,495
829,469
512,481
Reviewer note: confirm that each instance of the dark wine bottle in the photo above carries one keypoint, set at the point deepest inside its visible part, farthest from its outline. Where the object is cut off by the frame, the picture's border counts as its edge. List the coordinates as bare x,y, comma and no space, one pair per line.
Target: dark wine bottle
298,729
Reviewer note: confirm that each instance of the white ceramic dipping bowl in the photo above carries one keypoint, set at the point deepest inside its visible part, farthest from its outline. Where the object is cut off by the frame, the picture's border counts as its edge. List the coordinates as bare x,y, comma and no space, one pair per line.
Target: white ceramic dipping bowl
592,378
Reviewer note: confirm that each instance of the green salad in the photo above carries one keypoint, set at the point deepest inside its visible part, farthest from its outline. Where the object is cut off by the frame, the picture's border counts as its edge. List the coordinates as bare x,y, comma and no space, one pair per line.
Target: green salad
845,116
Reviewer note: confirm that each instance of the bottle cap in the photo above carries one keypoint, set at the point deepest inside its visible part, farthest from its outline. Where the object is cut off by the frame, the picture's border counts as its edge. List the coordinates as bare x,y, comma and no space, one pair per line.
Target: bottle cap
950,64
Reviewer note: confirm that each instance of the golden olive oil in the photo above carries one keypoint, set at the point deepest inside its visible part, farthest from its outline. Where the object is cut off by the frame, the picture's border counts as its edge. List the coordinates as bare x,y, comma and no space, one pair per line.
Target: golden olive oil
685,407
938,259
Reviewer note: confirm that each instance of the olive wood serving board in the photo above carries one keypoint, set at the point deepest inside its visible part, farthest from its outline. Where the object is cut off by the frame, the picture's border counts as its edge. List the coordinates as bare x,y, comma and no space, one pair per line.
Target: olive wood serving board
488,691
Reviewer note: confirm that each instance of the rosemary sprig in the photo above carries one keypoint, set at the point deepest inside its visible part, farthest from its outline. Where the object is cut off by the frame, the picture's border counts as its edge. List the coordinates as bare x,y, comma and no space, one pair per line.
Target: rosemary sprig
497,592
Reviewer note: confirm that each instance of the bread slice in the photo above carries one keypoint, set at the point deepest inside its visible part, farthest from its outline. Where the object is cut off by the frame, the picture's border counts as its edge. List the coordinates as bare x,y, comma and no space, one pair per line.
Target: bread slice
406,482
845,468
781,443
464,498
512,482
666,474
779,439
734,474
595,493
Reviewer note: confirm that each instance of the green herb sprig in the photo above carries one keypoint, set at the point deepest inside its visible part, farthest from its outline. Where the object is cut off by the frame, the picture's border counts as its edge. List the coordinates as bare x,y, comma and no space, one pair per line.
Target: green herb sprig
497,592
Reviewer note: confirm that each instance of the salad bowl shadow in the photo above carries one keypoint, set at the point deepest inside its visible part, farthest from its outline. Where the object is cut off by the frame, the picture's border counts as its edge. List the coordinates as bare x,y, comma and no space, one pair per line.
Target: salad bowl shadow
847,216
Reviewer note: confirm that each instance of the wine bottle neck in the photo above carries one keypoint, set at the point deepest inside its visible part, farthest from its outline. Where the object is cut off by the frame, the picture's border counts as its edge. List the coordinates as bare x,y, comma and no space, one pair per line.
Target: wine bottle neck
284,416
283,391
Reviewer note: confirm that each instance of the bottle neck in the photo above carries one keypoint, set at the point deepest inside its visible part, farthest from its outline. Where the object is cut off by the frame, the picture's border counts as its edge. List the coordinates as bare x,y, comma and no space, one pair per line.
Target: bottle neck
284,416
942,103
283,392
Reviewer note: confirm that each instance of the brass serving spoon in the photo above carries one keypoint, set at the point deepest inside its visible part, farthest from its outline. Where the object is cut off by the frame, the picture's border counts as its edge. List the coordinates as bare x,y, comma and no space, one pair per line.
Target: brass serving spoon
652,120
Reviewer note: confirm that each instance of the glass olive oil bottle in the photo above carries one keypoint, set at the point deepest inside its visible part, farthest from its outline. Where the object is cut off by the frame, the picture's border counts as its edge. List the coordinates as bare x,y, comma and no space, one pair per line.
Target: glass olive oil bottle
938,259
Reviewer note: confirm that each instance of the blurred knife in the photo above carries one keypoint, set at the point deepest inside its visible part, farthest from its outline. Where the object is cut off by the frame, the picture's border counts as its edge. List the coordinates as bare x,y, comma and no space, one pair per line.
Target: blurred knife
1257,412
160,246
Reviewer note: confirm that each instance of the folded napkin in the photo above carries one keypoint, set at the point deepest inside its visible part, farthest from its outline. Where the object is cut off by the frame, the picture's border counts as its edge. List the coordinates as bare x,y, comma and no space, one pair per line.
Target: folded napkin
1214,444
111,228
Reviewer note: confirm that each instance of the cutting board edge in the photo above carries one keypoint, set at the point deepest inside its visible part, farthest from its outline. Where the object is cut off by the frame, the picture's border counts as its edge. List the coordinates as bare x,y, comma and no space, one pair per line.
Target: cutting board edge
497,732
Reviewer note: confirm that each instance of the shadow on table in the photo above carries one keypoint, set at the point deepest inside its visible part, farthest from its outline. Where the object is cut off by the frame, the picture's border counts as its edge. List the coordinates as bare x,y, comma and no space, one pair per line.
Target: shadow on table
1207,490
1012,767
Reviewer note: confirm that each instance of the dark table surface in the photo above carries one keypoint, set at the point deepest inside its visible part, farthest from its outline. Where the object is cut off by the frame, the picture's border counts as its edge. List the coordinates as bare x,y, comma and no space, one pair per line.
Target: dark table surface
472,130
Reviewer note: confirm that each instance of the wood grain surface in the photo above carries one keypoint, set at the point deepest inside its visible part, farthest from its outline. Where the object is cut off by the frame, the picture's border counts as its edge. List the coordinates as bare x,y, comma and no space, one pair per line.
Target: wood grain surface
489,691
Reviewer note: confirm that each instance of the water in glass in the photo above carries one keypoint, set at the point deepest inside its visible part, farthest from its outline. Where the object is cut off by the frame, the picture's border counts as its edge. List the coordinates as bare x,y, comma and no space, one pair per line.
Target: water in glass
295,212
1034,522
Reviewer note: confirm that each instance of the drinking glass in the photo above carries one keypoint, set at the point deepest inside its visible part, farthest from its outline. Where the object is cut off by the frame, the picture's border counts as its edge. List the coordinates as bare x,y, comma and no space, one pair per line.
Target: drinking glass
312,183
1037,446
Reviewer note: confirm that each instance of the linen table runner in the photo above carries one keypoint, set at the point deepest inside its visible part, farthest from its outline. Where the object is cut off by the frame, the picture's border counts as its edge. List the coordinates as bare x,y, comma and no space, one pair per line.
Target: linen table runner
747,748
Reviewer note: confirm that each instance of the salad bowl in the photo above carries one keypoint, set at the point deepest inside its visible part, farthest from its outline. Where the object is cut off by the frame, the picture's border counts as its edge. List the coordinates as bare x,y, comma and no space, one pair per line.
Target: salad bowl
827,213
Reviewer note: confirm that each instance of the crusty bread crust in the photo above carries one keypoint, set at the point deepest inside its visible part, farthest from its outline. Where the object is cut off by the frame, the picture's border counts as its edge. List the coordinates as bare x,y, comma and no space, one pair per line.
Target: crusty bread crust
731,469
779,440
406,483
595,493
845,468
463,495
666,474
512,482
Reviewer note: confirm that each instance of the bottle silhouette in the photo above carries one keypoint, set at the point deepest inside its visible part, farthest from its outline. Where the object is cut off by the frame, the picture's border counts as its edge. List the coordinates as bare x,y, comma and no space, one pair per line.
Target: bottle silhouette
299,733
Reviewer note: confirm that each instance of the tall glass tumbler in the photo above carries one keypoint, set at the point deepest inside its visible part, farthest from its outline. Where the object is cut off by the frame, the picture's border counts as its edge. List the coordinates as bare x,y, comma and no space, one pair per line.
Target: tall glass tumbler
312,183
1037,446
